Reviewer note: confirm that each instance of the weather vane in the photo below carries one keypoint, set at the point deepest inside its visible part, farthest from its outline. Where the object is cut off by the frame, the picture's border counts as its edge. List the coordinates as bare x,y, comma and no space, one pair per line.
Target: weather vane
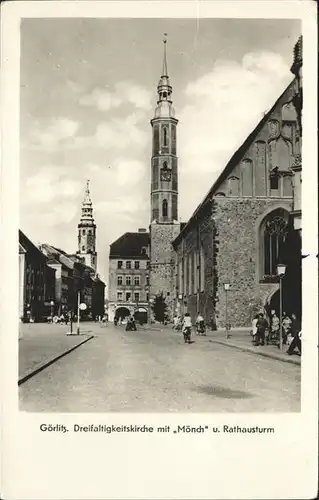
165,39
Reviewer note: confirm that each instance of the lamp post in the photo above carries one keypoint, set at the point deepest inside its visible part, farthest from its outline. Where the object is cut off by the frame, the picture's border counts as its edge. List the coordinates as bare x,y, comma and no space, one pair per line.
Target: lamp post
281,271
78,314
52,306
226,288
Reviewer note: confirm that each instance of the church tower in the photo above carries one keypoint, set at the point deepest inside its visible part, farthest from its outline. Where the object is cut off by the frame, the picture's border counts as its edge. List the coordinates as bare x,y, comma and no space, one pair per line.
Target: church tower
87,231
164,226
164,160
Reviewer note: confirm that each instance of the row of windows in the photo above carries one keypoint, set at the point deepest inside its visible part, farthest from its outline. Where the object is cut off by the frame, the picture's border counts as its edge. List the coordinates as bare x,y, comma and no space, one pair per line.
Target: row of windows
127,297
130,280
89,231
191,273
279,185
128,264
272,240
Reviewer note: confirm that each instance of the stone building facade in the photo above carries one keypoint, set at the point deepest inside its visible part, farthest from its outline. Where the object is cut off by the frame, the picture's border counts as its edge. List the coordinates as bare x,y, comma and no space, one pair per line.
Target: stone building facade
239,233
36,281
296,69
164,225
129,272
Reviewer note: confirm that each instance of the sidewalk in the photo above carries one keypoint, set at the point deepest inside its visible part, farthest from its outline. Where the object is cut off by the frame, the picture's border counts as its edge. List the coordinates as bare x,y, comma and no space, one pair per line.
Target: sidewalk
241,340
42,344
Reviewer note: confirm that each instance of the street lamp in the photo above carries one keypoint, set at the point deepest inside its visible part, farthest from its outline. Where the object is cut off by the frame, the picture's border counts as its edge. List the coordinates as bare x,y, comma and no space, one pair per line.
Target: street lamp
281,271
226,288
52,305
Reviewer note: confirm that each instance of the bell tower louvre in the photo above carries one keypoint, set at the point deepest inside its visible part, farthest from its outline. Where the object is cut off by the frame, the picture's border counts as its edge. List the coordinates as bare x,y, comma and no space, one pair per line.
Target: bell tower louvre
164,226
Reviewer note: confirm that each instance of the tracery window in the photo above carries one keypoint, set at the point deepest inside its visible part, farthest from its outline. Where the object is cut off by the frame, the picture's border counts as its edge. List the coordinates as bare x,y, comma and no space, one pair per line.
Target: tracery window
274,233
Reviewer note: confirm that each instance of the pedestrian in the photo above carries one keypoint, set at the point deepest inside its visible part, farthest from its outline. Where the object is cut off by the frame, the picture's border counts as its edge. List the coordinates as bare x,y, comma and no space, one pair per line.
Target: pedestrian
254,328
296,335
286,328
187,328
200,325
262,326
29,316
175,322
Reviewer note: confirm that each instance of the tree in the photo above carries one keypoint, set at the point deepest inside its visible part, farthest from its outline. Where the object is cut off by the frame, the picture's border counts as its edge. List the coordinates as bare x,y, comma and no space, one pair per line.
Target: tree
160,308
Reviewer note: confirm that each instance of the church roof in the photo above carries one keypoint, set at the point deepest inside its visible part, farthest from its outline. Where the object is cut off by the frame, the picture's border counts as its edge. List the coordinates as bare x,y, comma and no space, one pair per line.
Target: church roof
30,248
130,245
234,160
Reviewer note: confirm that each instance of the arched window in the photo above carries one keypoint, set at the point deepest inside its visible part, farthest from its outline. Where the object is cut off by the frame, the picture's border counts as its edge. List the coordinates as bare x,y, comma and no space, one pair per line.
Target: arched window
233,186
164,208
273,234
164,136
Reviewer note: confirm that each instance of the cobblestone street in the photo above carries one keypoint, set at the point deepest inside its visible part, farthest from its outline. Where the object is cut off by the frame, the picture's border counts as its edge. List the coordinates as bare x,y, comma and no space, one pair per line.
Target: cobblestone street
154,371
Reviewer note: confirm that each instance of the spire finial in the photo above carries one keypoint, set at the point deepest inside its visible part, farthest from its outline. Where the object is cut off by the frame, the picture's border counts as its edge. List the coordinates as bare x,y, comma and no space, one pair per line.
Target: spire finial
88,185
164,71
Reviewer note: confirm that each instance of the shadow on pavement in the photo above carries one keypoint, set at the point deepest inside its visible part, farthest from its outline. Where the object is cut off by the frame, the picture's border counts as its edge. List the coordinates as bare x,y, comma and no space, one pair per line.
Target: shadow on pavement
223,392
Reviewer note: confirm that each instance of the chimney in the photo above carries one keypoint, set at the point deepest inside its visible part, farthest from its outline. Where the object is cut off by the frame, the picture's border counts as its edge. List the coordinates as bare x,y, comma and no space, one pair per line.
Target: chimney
142,230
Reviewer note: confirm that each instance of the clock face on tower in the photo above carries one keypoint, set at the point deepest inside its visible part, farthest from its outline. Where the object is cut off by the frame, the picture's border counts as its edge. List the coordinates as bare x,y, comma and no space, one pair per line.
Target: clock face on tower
166,174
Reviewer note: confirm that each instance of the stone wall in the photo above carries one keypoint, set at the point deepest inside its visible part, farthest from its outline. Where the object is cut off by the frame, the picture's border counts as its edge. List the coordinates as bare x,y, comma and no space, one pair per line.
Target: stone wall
198,241
238,257
162,258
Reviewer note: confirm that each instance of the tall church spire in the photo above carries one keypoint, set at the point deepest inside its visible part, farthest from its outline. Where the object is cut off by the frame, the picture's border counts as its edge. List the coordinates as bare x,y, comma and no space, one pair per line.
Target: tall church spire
164,226
87,230
164,70
164,90
164,178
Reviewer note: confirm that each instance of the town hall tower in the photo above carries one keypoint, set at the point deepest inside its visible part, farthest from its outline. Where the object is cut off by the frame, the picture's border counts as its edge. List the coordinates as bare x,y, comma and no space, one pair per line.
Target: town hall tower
164,192
87,231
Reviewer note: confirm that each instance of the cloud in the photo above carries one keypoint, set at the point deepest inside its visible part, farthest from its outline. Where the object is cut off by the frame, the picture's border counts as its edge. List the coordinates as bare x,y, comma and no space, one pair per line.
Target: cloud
223,106
101,99
124,93
123,205
121,133
129,172
49,183
63,213
116,133
48,138
75,87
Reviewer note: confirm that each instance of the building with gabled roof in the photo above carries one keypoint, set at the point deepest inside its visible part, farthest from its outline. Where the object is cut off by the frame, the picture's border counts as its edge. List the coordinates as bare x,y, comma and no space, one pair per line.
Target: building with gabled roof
129,276
240,231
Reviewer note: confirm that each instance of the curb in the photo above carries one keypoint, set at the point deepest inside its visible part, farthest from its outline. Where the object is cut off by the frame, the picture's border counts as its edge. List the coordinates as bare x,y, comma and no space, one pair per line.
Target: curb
48,363
260,353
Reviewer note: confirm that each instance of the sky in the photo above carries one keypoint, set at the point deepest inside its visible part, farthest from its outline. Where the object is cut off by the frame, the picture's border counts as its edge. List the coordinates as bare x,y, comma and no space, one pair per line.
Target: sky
88,93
